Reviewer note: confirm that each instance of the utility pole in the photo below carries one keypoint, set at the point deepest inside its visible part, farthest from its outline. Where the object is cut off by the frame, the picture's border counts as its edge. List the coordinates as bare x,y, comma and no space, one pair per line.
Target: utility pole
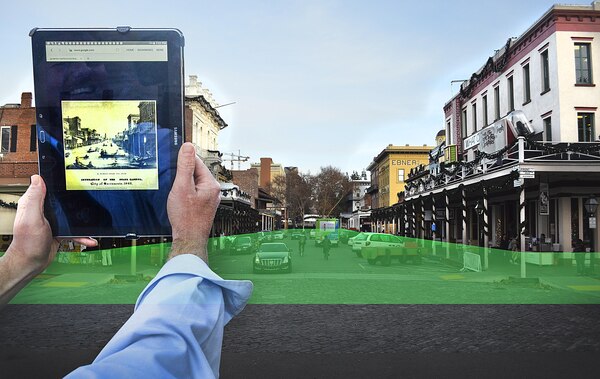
236,158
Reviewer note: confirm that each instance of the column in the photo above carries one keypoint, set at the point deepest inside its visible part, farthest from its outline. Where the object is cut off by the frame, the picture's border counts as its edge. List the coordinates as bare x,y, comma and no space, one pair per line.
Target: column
447,222
463,198
486,229
522,224
422,217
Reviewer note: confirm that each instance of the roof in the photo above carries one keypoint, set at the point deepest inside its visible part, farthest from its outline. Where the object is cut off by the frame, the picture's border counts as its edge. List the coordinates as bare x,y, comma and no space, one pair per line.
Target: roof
391,149
209,109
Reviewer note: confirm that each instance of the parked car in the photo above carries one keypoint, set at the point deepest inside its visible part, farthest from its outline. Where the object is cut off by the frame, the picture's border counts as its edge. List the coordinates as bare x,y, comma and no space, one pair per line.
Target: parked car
381,247
242,245
312,234
358,242
274,256
296,234
278,235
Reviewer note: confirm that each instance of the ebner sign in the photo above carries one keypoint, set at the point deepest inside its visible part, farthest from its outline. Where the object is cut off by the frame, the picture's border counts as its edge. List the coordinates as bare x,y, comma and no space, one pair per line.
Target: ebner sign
404,162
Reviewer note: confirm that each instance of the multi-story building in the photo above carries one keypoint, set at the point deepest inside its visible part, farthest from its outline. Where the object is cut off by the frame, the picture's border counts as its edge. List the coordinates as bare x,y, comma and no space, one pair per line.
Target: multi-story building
389,170
203,124
524,128
18,159
268,171
359,211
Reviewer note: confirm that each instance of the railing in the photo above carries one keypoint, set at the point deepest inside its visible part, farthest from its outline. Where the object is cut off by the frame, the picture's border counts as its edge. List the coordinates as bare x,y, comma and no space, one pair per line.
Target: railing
523,151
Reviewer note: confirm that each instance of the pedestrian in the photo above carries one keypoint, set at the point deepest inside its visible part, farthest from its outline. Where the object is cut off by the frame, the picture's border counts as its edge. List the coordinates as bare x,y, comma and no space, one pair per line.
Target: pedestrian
301,244
579,252
513,246
176,330
326,245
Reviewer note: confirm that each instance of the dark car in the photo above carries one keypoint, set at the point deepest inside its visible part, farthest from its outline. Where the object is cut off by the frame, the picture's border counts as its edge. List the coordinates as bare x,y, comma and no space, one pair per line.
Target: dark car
242,245
271,257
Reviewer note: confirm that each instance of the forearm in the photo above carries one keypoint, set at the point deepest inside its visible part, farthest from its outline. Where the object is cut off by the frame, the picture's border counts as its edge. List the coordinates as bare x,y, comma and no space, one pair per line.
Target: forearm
14,276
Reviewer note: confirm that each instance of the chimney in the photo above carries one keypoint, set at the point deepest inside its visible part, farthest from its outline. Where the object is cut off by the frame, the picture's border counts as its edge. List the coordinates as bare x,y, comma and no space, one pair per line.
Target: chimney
265,171
26,100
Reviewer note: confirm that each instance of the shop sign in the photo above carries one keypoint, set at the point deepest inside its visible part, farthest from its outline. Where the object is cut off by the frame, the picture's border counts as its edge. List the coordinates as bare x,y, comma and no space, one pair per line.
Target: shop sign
526,173
518,183
544,200
471,141
493,138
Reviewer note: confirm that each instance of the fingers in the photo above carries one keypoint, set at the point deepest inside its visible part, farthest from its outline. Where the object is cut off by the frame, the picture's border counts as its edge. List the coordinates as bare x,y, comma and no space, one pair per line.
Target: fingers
87,241
186,166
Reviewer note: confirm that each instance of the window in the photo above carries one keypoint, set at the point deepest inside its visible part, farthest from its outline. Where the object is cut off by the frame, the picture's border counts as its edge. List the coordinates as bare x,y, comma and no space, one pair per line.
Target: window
463,123
400,175
526,85
497,103
545,72
547,129
5,145
511,94
585,127
8,139
33,139
449,132
474,114
485,112
583,63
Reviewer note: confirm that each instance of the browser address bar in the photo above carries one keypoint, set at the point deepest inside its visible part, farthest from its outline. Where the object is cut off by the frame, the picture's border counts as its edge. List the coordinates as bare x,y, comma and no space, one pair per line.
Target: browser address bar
106,51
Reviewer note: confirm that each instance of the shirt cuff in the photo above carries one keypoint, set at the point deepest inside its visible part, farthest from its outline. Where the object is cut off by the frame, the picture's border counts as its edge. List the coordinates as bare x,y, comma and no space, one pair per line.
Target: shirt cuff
235,292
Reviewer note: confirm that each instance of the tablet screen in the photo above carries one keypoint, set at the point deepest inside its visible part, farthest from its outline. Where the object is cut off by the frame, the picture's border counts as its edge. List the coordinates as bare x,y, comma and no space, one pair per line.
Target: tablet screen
110,123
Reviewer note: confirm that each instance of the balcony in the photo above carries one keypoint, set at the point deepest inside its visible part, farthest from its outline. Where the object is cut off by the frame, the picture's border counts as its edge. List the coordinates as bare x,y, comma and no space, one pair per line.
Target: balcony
524,152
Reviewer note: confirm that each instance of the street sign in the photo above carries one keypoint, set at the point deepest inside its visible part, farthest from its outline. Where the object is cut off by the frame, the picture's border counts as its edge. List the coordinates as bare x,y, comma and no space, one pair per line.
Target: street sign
518,183
592,222
526,173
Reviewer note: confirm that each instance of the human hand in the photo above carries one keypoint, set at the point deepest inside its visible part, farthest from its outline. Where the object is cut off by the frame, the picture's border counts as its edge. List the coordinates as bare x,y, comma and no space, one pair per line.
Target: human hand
32,248
192,204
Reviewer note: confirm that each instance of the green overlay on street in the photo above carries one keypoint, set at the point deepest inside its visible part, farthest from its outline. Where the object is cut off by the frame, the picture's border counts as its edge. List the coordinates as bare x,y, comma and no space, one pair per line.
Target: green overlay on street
293,267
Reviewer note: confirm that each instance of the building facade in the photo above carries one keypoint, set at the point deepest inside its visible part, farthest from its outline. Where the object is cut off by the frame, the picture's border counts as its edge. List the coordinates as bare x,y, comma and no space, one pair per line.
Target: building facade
389,171
525,135
18,159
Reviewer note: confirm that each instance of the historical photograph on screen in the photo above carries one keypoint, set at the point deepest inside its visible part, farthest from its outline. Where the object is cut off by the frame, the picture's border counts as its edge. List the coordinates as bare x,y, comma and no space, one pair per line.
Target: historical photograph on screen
110,145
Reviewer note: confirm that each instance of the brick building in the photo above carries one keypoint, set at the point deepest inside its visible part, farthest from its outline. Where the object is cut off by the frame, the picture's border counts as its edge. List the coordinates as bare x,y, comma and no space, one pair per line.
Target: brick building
18,157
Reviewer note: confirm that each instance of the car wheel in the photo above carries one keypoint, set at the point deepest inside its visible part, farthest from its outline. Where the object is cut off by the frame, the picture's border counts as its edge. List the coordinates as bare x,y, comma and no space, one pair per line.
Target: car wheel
387,260
372,261
289,270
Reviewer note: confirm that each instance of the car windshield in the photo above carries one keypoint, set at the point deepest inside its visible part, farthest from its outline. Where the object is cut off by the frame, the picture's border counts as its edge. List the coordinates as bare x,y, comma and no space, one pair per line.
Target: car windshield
273,247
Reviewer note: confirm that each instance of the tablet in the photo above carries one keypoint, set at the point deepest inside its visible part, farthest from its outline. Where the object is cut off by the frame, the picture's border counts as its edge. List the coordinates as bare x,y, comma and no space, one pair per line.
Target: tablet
109,106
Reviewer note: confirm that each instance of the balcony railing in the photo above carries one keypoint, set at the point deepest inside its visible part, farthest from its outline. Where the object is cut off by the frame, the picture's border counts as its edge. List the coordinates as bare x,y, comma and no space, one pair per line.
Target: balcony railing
523,151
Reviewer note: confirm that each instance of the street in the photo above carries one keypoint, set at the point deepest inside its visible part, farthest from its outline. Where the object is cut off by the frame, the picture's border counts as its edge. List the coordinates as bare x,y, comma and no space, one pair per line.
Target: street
336,318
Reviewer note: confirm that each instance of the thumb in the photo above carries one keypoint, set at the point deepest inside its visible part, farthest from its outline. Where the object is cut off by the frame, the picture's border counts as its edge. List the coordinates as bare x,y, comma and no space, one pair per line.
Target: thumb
32,202
186,163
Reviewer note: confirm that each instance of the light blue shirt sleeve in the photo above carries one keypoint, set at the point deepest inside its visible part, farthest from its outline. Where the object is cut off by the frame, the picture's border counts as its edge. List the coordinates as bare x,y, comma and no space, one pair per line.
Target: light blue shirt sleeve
176,330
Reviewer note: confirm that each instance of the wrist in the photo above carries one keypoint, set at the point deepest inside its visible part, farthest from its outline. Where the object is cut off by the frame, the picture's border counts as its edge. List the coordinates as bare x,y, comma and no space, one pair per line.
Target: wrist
23,264
188,246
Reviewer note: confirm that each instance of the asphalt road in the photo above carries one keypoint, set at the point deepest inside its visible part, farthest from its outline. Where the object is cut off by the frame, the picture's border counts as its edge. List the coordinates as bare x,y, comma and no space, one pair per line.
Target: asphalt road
274,339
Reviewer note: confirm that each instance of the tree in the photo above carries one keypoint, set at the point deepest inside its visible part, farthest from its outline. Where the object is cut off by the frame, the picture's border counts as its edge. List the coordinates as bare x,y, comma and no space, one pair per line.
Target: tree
330,187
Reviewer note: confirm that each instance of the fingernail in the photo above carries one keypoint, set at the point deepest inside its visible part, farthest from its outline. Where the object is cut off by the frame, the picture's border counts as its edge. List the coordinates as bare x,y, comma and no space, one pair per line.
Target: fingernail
35,180
188,148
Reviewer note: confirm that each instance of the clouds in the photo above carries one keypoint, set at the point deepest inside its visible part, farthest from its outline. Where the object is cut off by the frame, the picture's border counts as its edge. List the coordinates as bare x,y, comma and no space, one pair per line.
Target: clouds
315,82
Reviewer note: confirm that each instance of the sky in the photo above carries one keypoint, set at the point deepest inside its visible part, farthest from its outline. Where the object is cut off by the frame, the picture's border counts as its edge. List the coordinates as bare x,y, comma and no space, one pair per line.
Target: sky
315,83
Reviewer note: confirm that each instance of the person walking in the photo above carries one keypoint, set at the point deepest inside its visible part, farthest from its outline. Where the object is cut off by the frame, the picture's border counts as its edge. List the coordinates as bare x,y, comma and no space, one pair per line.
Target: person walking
579,252
301,244
513,246
326,245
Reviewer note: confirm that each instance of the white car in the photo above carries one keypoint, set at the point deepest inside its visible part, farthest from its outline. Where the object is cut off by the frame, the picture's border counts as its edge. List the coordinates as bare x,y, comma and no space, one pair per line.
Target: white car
278,235
375,240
